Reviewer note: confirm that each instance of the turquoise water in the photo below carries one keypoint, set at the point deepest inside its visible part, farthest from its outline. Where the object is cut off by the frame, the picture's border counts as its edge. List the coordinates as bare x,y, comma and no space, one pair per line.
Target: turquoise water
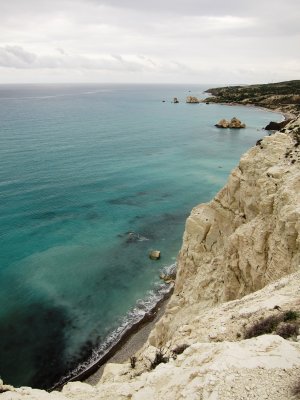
81,166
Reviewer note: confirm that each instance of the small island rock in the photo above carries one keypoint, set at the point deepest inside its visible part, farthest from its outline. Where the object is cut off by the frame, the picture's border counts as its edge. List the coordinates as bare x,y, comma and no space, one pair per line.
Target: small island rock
234,123
154,255
223,123
192,99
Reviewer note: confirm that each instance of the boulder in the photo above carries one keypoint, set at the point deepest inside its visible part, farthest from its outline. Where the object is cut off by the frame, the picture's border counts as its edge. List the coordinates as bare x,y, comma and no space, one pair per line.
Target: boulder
192,99
223,123
234,123
154,255
175,100
168,278
276,126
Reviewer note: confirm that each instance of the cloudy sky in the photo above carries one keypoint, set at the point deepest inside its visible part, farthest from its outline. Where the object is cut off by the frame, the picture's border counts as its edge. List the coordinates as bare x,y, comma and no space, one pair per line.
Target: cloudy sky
167,41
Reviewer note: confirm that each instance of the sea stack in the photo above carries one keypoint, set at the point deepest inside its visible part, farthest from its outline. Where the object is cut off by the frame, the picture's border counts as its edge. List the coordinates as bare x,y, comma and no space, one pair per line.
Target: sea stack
234,123
192,100
154,255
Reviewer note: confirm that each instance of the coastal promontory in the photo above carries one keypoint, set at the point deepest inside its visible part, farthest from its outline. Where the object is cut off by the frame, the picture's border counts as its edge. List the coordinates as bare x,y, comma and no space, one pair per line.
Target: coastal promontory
282,96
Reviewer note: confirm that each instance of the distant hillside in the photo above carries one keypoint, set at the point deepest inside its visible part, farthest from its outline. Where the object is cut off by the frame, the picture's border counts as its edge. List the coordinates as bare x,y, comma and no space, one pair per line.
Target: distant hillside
282,96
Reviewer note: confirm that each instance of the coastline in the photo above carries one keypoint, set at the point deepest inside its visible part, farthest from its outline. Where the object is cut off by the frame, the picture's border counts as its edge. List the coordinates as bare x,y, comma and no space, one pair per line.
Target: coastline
136,335
129,342
230,319
130,345
286,116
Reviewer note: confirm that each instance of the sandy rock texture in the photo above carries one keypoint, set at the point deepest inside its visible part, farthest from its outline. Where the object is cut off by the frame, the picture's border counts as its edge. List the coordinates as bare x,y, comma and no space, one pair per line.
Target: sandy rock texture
239,264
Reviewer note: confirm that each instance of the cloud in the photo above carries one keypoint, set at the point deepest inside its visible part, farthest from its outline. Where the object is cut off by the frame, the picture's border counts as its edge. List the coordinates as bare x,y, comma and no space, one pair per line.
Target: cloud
148,40
19,58
207,7
16,56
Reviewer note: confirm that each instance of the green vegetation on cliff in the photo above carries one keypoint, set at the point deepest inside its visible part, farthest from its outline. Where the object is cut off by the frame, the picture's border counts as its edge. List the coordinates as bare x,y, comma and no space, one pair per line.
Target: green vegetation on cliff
283,96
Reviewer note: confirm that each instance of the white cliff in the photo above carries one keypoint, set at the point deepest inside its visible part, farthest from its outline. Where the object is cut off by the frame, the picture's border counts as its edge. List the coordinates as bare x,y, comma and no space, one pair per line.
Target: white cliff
239,264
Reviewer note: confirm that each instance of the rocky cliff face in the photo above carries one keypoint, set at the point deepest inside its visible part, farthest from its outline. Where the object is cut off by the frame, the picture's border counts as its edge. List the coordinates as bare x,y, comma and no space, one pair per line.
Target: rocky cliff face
245,238
233,249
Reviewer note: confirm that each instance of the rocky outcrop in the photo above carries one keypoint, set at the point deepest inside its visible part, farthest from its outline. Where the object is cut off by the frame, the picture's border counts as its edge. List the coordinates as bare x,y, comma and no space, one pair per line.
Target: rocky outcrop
234,123
239,264
245,238
276,126
281,96
154,255
192,99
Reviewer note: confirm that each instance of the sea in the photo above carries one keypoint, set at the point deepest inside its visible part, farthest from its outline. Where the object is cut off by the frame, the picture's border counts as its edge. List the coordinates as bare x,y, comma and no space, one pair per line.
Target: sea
92,178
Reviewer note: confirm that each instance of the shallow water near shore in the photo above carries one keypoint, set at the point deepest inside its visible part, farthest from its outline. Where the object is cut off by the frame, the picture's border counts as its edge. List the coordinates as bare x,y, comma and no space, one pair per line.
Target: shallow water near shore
92,178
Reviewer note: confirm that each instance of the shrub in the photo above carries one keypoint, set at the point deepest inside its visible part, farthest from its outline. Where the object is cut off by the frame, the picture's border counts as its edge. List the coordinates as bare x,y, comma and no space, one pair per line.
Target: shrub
160,357
267,325
180,349
287,330
277,323
290,315
133,362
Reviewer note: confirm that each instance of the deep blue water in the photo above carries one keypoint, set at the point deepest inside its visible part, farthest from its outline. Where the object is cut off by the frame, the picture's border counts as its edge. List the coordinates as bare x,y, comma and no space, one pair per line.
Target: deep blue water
80,167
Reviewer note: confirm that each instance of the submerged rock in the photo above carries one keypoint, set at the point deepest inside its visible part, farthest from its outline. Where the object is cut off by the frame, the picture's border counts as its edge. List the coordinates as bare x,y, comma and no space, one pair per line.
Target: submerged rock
154,255
133,237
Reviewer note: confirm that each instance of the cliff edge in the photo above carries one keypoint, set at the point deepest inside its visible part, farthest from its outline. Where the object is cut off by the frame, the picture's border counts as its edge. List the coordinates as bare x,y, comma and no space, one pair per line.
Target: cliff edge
231,328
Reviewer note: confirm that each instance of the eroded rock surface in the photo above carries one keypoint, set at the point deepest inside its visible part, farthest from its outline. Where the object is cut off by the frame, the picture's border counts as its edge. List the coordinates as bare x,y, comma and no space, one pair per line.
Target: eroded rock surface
234,123
192,99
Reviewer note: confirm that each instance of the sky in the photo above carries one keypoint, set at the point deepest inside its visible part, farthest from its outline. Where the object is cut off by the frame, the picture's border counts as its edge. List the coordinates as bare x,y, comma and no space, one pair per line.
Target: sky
149,41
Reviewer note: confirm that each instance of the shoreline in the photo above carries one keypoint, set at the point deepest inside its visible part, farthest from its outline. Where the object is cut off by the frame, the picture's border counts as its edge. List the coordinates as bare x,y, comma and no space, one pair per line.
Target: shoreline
130,345
134,337
129,342
286,116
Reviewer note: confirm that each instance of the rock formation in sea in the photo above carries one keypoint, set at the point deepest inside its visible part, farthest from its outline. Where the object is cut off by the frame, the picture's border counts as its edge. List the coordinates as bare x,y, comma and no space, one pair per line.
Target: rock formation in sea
231,328
234,123
192,99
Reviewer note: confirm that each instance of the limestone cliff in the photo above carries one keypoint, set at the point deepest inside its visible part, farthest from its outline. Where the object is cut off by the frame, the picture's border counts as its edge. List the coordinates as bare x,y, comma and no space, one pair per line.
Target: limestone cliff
239,263
245,238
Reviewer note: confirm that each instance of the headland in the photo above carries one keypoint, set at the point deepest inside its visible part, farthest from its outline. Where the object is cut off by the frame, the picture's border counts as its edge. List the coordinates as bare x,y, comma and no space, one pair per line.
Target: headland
280,97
